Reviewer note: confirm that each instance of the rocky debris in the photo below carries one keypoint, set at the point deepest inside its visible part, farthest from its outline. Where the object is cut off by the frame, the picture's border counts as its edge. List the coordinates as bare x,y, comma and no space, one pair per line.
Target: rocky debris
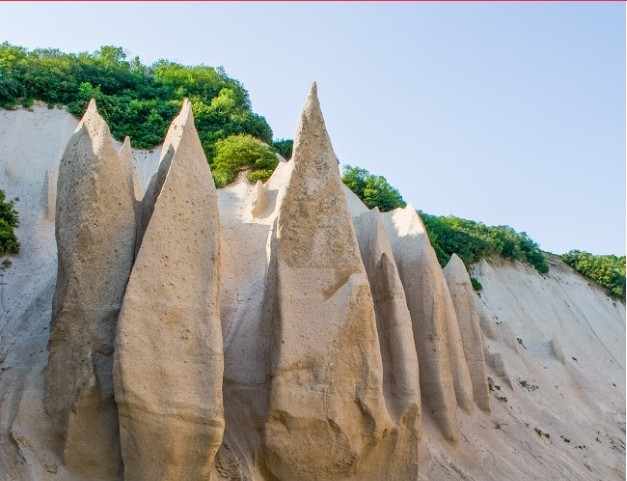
169,358
327,415
95,233
463,297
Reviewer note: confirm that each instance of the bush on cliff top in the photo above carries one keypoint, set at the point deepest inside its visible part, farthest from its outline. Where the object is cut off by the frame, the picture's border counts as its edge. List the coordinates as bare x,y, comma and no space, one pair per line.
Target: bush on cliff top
607,270
135,99
473,241
373,190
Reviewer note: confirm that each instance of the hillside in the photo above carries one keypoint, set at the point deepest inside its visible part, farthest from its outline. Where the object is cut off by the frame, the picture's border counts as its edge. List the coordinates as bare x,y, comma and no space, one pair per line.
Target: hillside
554,352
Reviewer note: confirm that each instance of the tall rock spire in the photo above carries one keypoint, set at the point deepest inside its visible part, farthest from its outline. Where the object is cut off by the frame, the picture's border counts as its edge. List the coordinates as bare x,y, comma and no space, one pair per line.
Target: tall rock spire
326,405
169,357
95,232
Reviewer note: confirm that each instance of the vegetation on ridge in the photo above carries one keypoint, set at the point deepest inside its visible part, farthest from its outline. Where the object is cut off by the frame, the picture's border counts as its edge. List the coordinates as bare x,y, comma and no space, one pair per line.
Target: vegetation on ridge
473,241
135,99
607,270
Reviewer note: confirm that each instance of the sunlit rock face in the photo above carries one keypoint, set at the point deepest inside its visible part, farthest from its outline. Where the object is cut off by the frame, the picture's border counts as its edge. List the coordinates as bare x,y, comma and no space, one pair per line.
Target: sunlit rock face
168,358
95,233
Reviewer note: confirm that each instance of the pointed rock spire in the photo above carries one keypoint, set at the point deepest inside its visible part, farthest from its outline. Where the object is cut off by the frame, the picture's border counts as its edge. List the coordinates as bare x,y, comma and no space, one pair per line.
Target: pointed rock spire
169,359
95,232
463,297
326,407
442,380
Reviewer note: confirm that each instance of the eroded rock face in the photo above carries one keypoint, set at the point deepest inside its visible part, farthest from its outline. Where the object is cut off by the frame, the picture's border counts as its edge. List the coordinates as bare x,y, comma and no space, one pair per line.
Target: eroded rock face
95,232
420,274
326,405
463,297
169,357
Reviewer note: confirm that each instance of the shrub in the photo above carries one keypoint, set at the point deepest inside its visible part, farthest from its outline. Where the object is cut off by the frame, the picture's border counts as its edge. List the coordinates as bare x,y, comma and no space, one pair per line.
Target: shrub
8,220
473,241
242,152
606,270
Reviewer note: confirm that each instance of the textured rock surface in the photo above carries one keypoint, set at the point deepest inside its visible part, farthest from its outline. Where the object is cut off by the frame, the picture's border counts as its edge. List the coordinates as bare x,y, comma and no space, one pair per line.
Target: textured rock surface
326,408
95,232
398,349
568,379
463,297
421,274
169,361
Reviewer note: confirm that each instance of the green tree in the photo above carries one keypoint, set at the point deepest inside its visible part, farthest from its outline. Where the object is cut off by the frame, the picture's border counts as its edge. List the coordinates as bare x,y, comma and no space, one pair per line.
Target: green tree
373,190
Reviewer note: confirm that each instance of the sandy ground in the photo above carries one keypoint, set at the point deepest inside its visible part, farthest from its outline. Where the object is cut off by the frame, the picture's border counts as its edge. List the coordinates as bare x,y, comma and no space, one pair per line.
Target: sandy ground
555,344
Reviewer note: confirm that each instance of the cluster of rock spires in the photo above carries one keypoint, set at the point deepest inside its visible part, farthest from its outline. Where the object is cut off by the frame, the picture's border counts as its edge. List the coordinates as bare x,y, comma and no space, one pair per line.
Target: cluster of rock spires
159,369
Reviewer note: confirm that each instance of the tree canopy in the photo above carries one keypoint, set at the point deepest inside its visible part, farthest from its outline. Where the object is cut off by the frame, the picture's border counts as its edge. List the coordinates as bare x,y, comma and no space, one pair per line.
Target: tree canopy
373,190
135,99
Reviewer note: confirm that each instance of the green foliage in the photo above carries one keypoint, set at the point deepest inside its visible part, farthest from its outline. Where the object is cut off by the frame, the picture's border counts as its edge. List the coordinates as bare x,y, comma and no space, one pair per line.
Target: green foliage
373,190
136,100
8,220
608,271
473,241
284,147
476,285
241,152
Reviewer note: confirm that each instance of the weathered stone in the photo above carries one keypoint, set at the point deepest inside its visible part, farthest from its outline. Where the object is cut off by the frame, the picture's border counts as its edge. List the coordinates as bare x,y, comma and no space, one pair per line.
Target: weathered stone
326,407
95,232
422,280
463,297
169,360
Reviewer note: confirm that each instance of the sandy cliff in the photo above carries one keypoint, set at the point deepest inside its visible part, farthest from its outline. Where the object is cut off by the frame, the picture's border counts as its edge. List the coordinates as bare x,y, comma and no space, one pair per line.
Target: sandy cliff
286,331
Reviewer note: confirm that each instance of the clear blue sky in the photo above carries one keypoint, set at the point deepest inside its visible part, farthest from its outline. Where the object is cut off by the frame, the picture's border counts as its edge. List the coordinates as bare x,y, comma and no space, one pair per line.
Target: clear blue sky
507,113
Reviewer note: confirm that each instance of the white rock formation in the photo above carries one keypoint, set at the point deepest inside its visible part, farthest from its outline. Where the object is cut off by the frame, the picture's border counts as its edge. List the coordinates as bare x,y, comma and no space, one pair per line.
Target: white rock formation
463,297
95,232
169,358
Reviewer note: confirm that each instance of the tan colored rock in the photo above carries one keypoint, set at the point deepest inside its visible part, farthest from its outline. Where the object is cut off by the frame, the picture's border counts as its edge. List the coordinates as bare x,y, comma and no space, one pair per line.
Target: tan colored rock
430,307
327,410
95,232
401,385
463,297
398,349
169,361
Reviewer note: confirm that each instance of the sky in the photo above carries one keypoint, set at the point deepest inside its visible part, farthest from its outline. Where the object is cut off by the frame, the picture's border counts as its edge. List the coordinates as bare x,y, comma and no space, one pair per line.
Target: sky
505,113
